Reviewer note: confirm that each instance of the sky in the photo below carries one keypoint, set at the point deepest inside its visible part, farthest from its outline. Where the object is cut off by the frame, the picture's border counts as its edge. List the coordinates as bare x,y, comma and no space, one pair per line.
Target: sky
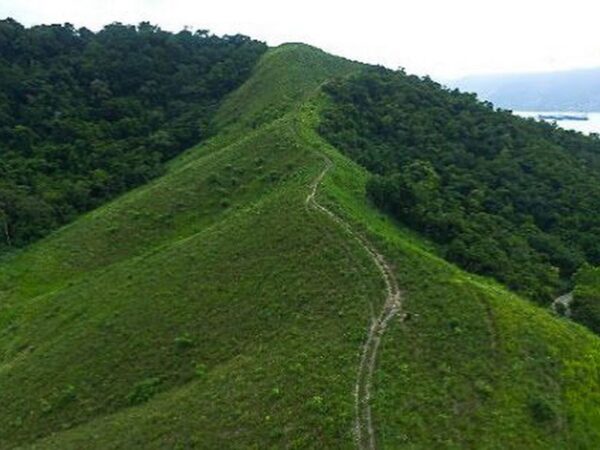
444,39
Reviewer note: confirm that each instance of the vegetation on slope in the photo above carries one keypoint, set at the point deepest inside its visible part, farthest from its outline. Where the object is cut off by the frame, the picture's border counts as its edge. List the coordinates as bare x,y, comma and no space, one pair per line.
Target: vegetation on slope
197,282
585,307
285,77
228,322
501,195
472,365
187,321
86,116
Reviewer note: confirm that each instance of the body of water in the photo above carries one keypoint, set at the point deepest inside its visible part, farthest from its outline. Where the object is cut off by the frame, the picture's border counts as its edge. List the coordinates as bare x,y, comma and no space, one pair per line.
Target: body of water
592,125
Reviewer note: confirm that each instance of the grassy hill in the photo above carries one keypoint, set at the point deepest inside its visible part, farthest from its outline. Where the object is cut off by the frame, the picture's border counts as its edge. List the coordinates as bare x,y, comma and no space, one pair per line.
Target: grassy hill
215,308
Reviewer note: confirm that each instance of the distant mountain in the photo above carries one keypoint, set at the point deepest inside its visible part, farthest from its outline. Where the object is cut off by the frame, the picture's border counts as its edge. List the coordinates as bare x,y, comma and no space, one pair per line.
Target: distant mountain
568,90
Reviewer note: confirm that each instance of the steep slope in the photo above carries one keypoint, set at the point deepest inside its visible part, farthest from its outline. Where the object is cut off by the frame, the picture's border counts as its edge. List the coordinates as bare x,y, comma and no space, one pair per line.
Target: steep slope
470,365
217,308
86,116
500,195
214,268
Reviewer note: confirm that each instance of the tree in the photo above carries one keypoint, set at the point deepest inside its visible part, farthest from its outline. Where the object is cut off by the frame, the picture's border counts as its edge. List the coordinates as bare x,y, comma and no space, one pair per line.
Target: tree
501,195
5,228
85,116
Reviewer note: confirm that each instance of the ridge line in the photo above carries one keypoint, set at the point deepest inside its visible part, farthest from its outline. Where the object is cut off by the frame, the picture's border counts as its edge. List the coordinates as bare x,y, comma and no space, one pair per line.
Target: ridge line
363,428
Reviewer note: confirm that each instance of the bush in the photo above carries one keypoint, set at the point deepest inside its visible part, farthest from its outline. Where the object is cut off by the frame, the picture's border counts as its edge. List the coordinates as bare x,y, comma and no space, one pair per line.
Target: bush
213,178
541,410
585,307
60,399
184,342
561,309
200,370
143,391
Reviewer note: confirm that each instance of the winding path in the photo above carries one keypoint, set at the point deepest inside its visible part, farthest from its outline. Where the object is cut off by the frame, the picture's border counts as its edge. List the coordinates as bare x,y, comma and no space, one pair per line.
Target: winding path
365,435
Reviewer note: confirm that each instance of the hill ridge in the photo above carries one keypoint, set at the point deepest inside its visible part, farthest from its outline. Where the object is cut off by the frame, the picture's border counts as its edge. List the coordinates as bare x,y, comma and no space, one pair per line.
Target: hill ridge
253,336
391,306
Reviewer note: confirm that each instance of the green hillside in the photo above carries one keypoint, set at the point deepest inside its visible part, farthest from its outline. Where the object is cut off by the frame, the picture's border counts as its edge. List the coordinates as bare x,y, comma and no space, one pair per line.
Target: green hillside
219,306
87,116
502,196
585,305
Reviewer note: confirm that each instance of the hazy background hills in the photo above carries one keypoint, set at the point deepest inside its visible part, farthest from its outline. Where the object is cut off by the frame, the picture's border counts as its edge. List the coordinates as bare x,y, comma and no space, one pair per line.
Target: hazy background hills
577,90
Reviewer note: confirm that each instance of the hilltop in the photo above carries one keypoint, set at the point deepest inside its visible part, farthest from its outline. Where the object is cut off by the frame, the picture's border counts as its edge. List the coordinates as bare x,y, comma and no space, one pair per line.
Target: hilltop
230,302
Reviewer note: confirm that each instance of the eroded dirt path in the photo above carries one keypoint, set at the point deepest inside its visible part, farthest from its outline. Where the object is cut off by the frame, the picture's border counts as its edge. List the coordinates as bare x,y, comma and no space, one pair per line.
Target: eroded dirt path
563,303
364,431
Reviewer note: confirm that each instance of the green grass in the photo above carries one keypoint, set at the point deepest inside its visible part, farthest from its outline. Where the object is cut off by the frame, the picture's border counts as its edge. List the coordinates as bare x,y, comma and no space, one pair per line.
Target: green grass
474,366
284,78
213,309
247,285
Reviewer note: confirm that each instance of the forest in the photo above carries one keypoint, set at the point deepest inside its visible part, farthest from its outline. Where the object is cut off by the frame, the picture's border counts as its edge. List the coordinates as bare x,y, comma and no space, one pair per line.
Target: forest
85,116
502,196
585,307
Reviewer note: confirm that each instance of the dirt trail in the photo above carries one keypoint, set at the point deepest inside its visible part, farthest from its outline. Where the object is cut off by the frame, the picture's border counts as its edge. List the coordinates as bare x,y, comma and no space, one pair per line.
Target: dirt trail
565,304
365,435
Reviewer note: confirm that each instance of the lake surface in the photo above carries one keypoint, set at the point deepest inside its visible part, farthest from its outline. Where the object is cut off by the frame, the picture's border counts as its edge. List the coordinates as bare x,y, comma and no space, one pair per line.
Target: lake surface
592,125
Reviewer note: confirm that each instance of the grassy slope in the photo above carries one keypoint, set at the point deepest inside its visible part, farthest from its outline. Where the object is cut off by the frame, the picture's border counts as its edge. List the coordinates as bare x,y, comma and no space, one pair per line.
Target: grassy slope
168,278
474,366
246,316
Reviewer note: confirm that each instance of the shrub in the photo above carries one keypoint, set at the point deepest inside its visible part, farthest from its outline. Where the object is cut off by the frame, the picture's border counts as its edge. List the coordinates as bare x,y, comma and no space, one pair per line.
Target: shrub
213,178
143,391
483,388
200,370
561,309
59,399
541,410
184,342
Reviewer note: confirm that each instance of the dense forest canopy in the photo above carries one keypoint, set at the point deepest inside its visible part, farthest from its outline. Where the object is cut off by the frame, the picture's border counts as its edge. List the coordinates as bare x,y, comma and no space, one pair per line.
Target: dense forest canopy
85,116
503,196
586,299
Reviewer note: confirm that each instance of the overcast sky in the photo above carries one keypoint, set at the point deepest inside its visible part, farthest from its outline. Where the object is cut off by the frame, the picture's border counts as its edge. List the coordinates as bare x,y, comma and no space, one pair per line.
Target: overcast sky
442,38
